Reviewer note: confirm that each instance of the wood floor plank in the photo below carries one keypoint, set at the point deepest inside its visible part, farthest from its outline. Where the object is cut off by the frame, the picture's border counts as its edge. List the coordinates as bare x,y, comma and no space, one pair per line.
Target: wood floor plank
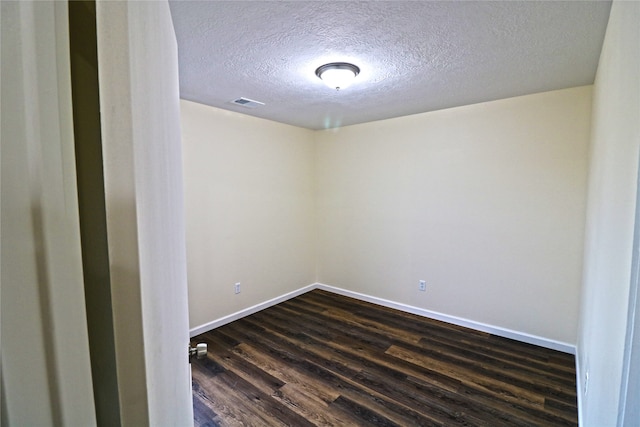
504,390
328,360
290,376
478,384
248,405
381,365
391,410
202,413
414,322
317,412
540,363
387,410
411,321
231,407
503,371
230,361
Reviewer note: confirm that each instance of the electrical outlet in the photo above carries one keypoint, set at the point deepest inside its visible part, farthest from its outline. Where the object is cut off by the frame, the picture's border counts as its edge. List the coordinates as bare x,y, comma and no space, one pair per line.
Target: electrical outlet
422,285
237,288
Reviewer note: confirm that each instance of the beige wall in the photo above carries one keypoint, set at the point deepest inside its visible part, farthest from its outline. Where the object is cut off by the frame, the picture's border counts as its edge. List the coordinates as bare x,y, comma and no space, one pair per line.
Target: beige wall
250,217
484,202
610,216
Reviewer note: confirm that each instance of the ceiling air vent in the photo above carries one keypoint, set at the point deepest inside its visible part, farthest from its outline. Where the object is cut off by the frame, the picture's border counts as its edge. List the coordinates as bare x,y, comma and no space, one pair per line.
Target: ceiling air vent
247,103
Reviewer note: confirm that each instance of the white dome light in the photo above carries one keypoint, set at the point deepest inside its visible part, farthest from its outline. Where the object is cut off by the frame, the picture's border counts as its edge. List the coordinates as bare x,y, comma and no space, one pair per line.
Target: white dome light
338,75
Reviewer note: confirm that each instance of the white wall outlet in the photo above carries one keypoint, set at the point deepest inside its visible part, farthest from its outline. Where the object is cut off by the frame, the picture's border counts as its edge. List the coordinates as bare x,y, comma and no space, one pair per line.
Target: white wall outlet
422,285
236,288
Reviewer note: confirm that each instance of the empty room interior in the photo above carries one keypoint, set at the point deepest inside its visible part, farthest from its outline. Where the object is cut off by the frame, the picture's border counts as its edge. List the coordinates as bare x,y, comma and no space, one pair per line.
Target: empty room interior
386,213
480,169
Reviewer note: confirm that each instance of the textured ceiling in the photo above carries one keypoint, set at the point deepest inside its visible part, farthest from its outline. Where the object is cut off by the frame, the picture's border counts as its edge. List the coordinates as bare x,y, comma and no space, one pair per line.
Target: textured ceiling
414,56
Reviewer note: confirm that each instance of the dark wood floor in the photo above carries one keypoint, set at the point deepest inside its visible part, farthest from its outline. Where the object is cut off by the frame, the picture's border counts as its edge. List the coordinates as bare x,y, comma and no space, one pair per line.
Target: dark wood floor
324,359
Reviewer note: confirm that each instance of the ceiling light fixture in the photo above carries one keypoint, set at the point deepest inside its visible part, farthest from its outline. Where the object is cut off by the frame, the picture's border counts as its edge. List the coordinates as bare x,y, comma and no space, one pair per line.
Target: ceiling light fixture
337,75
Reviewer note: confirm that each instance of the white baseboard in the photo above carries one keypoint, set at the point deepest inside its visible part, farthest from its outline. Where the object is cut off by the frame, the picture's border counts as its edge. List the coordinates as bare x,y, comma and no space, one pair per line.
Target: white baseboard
247,311
495,330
